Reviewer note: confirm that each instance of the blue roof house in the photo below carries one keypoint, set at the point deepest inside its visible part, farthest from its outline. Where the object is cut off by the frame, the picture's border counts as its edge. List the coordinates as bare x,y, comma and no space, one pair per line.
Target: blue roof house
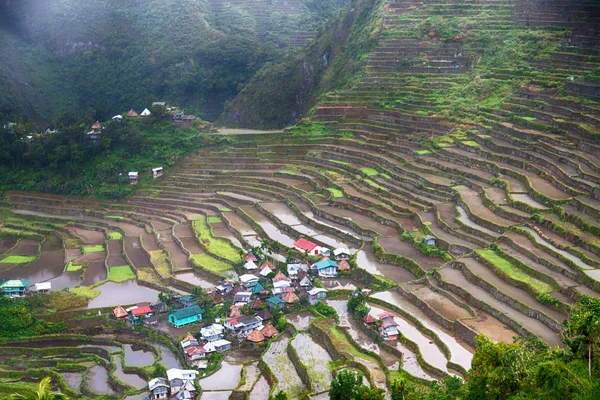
185,316
275,302
326,268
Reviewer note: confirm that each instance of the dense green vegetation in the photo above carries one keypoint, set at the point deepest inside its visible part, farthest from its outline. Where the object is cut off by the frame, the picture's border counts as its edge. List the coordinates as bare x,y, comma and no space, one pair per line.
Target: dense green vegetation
67,56
17,319
68,162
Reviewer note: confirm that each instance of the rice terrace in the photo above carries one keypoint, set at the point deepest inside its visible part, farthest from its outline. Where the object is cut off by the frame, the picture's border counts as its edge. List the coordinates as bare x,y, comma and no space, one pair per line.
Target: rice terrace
444,201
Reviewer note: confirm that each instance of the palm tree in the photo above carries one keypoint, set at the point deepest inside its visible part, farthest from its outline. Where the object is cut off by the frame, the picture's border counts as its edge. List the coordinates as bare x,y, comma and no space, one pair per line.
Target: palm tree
44,392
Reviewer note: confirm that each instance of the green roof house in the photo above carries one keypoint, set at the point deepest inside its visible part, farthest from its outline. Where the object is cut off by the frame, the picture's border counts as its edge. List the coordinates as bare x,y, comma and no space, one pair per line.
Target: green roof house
14,287
275,302
185,316
258,288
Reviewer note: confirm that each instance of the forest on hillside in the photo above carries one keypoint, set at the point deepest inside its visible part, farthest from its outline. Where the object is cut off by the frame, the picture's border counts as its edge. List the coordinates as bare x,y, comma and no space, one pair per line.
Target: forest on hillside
59,56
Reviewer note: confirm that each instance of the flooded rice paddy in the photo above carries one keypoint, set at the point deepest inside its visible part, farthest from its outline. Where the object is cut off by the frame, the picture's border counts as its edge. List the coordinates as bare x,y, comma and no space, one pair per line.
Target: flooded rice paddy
97,380
128,292
281,366
226,378
137,357
315,359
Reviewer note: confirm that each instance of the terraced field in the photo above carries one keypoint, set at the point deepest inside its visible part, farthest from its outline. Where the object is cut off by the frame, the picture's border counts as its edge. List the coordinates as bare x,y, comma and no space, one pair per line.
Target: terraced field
507,187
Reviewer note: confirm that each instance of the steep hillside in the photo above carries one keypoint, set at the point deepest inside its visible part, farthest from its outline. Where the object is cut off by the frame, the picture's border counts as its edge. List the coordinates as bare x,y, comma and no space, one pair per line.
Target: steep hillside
279,94
67,56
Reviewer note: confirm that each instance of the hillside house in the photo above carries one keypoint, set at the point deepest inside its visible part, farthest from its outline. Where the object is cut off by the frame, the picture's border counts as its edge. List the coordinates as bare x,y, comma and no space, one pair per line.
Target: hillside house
265,271
225,287
290,298
146,113
96,126
243,325
264,315
259,290
388,330
157,172
304,280
43,287
159,103
255,337
250,257
151,320
316,294
137,314
326,268
117,118
189,341
269,331
194,354
180,379
369,319
159,388
133,177
294,269
132,114
280,277
185,316
248,280
242,298
275,303
281,287
306,246
250,265
429,240
187,300
221,345
119,312
212,333
14,287
341,253
159,308
343,266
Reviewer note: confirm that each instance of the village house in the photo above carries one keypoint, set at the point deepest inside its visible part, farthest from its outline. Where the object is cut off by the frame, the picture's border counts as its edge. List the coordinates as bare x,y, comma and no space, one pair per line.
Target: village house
275,303
159,307
255,337
264,315
189,341
194,354
281,287
265,270
388,330
187,300
290,298
42,287
248,280
179,379
157,172
133,177
151,320
216,297
146,113
221,345
159,388
306,246
343,266
294,269
325,268
242,298
159,103
250,265
185,316
259,290
212,333
429,240
136,314
225,287
269,331
250,257
316,294
131,113
243,325
119,312
341,253
117,118
304,280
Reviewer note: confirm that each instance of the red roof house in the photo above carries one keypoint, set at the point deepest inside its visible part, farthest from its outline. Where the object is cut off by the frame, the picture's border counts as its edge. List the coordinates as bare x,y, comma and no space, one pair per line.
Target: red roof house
138,311
250,257
280,277
132,113
343,265
369,319
305,245
97,125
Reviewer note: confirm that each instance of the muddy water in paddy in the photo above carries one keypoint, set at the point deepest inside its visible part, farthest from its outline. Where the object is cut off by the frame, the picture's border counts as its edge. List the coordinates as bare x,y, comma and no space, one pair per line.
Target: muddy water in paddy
217,395
577,261
252,372
73,380
367,261
137,357
194,279
315,359
97,380
283,369
132,380
149,242
272,231
53,242
65,280
48,266
459,354
223,232
260,390
6,245
124,293
94,273
191,245
364,341
301,320
87,236
115,254
168,358
25,247
227,377
239,224
136,254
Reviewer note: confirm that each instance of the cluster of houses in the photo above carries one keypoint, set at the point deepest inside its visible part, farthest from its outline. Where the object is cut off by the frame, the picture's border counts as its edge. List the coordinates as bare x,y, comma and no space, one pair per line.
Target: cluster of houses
179,384
145,313
20,287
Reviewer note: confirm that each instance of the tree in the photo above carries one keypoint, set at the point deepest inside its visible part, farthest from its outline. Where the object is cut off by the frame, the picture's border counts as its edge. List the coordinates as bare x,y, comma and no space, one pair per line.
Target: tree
44,392
281,395
583,328
347,385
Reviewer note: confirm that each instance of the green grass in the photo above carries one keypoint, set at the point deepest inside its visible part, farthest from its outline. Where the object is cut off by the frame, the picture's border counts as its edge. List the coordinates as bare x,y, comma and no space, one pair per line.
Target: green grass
336,193
340,162
17,259
214,220
211,264
470,143
120,274
216,246
423,152
115,235
529,118
514,272
159,260
74,268
370,171
459,187
373,184
225,209
386,176
86,292
93,249
115,217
